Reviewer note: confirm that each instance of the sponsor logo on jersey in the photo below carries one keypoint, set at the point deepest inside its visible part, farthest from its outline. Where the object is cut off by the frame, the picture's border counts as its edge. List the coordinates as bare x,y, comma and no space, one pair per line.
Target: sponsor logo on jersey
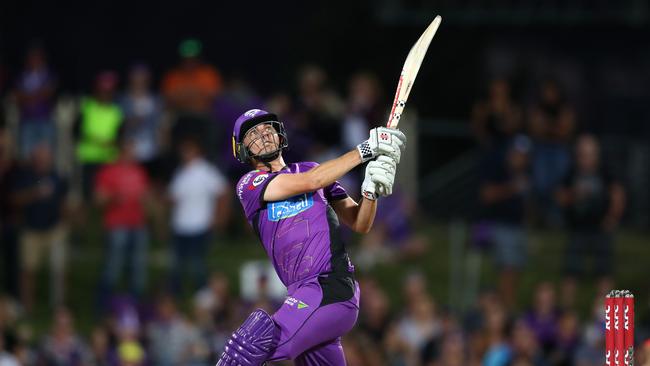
259,179
292,301
291,207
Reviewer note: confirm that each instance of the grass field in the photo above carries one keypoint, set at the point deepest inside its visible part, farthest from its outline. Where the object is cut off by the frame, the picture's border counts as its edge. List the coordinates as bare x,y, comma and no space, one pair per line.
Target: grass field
226,255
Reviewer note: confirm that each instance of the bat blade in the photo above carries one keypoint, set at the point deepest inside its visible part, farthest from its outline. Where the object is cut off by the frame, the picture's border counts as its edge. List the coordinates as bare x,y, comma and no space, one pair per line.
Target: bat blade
410,72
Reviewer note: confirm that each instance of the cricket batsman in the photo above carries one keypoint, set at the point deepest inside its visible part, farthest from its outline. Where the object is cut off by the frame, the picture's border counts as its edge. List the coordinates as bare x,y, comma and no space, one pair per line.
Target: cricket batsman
295,211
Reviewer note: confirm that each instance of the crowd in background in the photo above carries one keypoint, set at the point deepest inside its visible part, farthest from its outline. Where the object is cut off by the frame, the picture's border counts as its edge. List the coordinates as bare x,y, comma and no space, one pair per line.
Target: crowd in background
155,161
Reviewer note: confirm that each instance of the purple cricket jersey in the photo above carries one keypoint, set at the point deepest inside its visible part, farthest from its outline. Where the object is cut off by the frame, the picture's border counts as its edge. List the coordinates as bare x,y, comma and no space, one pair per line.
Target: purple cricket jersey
300,234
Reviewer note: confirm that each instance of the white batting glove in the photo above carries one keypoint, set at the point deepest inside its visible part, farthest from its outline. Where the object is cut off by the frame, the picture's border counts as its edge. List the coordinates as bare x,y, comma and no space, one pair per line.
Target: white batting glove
382,173
382,141
379,178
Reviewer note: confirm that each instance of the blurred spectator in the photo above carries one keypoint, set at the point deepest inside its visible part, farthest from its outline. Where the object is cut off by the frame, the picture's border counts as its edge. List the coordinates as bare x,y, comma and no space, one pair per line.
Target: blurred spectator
503,191
645,353
98,129
6,358
452,351
364,108
173,340
497,350
420,326
544,317
551,126
142,116
393,236
8,332
497,119
213,304
217,312
41,192
321,111
101,353
121,191
299,134
201,201
129,350
373,325
9,215
592,348
525,347
238,95
594,202
190,90
567,341
63,346
35,90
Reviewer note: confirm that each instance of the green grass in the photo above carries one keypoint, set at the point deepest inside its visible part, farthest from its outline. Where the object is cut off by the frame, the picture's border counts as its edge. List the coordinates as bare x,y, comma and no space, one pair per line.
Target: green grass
227,253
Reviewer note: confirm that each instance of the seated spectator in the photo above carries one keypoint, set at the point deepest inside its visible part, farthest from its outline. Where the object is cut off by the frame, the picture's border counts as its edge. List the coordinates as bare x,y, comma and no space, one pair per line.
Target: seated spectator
497,350
172,340
121,191
97,130
6,358
544,317
420,325
591,349
525,347
567,341
503,192
452,351
35,93
101,352
594,201
41,193
63,346
200,201
9,338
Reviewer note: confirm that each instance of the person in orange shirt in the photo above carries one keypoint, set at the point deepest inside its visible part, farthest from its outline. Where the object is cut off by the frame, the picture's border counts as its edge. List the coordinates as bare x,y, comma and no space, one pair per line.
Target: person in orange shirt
193,85
190,90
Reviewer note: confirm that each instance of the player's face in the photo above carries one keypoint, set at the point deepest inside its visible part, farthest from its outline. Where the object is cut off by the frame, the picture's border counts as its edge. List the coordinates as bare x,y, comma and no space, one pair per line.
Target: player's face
262,139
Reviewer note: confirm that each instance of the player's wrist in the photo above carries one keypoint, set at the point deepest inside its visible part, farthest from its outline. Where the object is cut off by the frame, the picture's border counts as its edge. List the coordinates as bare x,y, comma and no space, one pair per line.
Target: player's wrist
365,151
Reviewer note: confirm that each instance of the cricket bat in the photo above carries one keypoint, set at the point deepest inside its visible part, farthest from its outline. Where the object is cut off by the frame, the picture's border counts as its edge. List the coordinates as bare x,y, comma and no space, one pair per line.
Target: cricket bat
410,71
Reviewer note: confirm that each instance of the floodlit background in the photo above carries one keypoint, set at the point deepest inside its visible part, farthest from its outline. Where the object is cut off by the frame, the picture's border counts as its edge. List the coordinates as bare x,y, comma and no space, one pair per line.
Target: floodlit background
522,199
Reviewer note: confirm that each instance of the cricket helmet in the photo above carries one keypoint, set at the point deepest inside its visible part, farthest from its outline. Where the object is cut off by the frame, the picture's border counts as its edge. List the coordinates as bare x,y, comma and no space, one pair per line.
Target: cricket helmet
249,120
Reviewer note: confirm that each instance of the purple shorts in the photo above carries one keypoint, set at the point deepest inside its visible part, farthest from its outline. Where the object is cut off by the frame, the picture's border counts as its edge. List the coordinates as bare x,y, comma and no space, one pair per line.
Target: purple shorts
314,316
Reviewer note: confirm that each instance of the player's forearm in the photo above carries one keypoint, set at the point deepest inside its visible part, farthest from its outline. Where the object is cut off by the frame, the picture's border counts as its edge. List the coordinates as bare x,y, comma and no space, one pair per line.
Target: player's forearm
365,216
327,173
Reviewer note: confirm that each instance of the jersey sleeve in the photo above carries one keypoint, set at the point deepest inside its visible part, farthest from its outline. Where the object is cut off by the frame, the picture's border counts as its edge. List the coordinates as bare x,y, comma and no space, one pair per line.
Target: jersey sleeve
251,188
335,192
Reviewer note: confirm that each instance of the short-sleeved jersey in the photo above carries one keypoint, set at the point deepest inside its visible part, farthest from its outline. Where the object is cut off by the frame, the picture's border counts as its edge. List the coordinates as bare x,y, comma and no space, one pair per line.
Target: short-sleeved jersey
299,234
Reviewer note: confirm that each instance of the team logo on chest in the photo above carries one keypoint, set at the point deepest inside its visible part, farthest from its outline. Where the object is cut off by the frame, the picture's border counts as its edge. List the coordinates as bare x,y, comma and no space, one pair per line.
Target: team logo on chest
290,207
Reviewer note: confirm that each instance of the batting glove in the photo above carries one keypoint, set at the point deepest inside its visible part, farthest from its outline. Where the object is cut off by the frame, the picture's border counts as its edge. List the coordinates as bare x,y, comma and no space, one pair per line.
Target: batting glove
379,178
382,141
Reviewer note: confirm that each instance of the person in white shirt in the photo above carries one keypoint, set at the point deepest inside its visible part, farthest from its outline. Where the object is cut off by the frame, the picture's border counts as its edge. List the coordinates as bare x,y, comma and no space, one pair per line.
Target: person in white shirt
199,195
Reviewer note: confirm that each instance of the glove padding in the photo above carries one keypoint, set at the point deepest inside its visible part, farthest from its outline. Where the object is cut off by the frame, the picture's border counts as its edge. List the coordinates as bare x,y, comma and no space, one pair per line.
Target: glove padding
382,141
379,178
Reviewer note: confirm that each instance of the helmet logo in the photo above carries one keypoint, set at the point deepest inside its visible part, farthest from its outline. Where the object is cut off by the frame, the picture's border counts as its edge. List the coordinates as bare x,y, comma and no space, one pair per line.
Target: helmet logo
252,113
